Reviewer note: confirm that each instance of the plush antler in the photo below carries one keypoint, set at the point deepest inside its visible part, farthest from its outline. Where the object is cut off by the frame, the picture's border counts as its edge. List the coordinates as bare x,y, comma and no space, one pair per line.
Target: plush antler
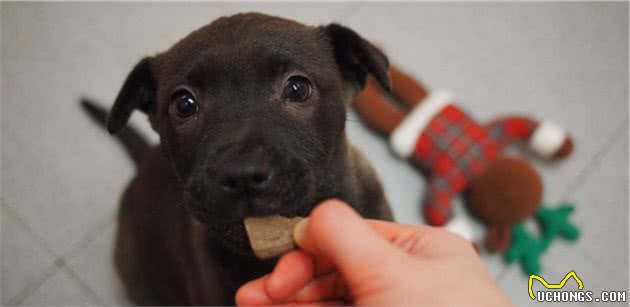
383,112
376,110
406,89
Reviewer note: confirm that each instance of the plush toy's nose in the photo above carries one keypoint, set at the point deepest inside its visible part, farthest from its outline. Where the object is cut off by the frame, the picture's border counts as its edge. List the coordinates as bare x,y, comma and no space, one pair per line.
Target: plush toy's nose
506,192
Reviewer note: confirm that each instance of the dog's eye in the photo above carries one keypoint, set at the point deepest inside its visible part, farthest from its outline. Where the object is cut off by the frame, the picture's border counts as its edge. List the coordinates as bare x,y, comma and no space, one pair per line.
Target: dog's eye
297,89
184,103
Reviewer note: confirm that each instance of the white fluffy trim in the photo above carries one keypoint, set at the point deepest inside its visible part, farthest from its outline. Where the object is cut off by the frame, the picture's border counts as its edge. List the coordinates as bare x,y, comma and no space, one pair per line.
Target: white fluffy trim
403,138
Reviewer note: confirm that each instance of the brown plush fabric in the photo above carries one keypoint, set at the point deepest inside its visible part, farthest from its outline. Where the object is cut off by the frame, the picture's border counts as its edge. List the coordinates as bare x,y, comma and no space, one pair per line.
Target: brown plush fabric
376,110
565,150
507,192
405,88
498,238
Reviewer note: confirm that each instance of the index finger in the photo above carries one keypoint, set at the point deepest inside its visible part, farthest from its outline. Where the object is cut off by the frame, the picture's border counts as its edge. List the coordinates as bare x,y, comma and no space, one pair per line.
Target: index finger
389,231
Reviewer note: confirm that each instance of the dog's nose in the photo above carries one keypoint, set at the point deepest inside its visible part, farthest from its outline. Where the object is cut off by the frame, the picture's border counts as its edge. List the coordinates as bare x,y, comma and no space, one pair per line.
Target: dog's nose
245,176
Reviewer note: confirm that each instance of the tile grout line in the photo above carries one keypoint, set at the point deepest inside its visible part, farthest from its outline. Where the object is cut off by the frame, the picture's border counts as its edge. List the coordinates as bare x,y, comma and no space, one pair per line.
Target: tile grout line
60,261
33,285
596,159
617,134
27,228
58,266
89,237
85,288
82,244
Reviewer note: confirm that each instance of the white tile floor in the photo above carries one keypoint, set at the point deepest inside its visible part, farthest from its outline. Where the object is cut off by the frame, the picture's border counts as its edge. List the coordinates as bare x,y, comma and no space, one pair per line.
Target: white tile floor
62,176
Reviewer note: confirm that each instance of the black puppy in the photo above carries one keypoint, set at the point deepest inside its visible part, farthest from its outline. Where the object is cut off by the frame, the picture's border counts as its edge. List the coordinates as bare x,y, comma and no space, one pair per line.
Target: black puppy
250,110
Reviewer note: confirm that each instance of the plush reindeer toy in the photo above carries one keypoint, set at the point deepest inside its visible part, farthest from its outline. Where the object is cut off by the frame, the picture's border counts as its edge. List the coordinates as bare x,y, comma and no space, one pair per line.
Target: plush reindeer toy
457,154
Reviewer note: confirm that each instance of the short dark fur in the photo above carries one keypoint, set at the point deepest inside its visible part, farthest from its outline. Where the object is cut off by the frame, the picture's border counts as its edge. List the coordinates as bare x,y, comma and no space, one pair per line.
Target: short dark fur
180,237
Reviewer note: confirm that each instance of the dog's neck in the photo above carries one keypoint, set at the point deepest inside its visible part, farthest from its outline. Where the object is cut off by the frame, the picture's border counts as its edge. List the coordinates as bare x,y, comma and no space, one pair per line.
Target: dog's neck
213,262
341,180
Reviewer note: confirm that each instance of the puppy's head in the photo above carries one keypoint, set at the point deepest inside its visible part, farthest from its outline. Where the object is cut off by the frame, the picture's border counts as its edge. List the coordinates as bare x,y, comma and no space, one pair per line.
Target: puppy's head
250,109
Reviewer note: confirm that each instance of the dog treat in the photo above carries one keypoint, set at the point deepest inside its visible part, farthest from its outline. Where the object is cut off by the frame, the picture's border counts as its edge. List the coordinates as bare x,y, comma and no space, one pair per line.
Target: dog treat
271,236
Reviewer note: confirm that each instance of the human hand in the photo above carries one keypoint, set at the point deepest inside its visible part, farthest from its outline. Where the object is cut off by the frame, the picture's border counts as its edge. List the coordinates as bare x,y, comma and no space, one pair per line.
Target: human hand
346,259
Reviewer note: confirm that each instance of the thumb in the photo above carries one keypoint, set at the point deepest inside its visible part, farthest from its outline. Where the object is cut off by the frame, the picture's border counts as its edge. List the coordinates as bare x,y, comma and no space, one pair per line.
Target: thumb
337,232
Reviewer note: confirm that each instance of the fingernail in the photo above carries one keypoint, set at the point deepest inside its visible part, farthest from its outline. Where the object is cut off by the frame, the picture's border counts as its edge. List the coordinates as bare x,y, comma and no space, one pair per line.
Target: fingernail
299,231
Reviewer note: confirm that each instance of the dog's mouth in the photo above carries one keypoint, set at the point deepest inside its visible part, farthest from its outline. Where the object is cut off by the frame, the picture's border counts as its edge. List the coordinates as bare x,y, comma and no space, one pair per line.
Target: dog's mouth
228,228
231,233
234,237
224,213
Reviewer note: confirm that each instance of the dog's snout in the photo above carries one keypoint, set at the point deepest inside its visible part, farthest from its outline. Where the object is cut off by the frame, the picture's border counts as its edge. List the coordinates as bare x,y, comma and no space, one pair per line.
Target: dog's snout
245,176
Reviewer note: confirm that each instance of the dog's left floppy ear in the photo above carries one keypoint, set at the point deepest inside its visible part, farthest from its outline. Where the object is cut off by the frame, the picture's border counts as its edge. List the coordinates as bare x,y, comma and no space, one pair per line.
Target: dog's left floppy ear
138,92
357,57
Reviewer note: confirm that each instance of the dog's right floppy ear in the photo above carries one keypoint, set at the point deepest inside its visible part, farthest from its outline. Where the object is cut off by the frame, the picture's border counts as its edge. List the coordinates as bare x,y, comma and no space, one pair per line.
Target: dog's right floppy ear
357,57
138,92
